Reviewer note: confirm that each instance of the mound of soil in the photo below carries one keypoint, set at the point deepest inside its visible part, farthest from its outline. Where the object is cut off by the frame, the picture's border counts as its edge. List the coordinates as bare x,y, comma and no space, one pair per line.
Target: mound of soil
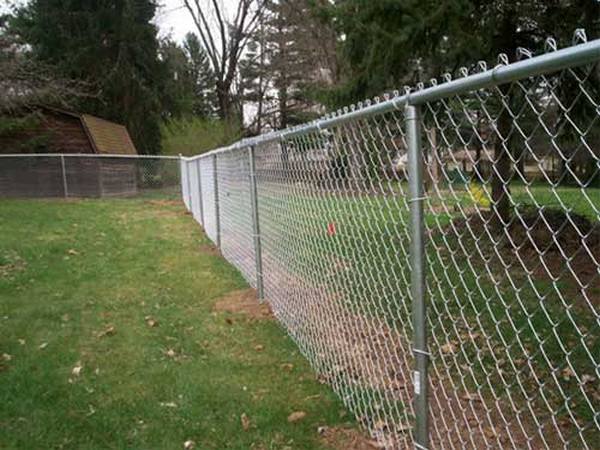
244,302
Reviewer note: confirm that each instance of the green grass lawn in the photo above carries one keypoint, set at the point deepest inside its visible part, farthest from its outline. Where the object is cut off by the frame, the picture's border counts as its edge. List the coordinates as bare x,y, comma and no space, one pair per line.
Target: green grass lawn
82,369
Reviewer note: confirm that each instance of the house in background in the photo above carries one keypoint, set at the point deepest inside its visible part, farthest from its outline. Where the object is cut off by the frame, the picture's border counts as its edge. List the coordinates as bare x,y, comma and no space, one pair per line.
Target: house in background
50,130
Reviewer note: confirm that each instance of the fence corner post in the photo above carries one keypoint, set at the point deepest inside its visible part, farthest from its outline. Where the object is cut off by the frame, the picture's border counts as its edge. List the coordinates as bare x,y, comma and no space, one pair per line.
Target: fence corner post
256,224
216,190
64,175
417,266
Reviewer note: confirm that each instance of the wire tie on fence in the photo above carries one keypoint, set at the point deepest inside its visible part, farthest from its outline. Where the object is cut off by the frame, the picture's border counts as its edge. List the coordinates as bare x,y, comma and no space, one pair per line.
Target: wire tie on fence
417,199
422,352
420,447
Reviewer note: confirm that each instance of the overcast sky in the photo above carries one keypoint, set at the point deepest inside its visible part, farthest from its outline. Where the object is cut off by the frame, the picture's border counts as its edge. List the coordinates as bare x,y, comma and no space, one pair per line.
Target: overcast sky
174,19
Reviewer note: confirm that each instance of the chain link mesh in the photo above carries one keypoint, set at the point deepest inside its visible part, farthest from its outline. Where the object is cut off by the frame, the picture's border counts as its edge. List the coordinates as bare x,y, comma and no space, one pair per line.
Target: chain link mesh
65,175
512,250
235,207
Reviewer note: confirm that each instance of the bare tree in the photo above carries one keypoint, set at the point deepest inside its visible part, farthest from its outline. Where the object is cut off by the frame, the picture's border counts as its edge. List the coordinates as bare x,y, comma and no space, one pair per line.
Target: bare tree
225,41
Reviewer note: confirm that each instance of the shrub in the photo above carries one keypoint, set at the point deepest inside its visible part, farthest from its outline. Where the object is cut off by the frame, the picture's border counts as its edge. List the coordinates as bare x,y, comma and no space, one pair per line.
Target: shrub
194,135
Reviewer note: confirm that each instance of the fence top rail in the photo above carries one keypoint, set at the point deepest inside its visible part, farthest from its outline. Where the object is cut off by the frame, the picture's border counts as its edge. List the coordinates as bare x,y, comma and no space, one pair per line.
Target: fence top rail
554,60
86,155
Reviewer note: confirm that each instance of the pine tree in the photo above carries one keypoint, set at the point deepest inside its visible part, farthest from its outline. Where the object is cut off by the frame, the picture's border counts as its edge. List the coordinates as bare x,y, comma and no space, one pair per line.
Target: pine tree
292,53
205,99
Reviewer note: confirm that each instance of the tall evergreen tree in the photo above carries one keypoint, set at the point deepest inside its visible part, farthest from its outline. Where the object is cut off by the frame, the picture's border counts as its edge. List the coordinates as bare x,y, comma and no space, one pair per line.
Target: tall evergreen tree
111,44
291,55
205,102
389,43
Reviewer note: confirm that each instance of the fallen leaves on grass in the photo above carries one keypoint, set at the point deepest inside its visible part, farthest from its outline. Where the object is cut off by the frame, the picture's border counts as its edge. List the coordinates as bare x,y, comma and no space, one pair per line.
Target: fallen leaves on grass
72,252
151,322
287,366
448,348
380,425
108,331
43,345
245,421
6,357
567,373
472,397
296,416
76,371
170,353
189,445
168,404
259,348
585,379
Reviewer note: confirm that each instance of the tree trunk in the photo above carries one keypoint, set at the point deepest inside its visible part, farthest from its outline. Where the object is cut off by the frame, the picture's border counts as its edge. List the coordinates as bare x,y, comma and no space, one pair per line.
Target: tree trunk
224,101
504,40
501,173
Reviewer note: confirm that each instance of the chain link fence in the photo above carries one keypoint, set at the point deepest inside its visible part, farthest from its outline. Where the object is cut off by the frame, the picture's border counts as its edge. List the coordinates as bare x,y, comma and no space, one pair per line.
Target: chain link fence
79,175
435,253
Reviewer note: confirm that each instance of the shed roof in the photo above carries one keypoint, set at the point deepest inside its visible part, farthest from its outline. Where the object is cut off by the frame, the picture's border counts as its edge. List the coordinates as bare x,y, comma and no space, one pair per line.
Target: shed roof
108,137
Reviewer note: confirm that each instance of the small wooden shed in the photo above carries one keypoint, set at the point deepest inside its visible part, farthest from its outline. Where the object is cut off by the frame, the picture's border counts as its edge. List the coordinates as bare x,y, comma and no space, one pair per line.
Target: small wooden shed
54,131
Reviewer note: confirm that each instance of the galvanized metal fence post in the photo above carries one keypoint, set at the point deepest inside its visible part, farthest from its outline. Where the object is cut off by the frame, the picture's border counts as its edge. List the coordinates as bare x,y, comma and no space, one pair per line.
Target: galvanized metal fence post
64,175
181,181
417,265
216,189
200,201
189,185
256,224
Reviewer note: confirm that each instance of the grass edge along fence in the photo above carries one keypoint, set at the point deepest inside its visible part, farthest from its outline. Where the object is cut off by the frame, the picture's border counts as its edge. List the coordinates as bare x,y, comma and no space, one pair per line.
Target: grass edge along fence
434,254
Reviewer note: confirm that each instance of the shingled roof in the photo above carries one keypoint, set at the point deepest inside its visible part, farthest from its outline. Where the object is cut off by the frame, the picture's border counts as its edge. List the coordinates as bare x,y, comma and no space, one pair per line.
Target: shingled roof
107,137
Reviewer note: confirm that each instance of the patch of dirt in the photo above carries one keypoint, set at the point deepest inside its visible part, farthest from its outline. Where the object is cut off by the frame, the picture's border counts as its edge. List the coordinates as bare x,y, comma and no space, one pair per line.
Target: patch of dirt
209,249
244,302
339,438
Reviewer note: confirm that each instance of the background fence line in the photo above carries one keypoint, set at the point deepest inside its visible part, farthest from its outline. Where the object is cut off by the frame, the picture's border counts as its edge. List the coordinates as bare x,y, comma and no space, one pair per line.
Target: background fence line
88,175
477,197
